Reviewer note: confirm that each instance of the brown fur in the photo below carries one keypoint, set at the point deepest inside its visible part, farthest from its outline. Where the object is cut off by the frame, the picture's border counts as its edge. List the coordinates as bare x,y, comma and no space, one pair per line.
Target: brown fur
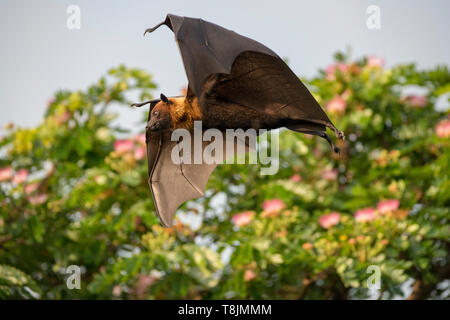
184,112
179,113
228,115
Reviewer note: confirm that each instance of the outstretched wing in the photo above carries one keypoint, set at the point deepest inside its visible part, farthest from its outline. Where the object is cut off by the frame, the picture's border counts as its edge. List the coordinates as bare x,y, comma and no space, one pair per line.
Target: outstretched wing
243,71
207,48
172,181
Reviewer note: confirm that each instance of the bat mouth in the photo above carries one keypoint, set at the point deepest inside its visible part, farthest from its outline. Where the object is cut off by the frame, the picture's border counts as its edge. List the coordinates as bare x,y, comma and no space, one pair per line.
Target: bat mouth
159,125
154,126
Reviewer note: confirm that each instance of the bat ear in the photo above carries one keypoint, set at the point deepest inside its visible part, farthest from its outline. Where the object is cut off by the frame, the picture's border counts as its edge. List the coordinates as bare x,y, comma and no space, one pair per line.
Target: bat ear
164,98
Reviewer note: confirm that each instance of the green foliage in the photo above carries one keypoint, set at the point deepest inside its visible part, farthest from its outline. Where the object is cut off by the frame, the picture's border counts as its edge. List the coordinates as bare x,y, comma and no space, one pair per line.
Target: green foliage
72,194
16,284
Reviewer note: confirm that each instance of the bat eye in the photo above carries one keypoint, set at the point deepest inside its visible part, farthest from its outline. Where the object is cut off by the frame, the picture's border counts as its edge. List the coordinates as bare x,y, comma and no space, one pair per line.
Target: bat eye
156,113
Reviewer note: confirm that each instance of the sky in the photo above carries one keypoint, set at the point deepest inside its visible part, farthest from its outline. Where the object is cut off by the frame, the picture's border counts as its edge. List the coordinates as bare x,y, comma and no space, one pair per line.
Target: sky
40,55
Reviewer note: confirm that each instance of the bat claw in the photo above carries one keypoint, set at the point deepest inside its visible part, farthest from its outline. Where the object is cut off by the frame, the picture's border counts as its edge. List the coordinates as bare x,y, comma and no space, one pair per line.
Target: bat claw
323,135
335,148
341,136
138,105
150,30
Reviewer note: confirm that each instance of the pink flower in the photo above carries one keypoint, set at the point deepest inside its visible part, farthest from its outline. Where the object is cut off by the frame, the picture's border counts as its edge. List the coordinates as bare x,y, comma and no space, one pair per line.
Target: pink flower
62,118
30,188
296,178
363,215
243,218
50,101
346,94
140,138
329,174
331,70
6,173
272,207
123,146
116,291
20,176
443,129
326,221
373,61
417,101
101,179
342,67
139,153
249,275
38,199
388,205
336,105
142,285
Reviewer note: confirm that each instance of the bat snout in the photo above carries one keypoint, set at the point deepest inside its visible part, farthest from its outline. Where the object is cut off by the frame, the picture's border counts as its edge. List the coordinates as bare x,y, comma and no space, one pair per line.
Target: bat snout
154,126
158,123
157,126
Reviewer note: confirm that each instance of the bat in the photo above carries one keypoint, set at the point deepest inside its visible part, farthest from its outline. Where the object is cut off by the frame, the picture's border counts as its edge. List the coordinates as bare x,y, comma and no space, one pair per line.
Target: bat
233,82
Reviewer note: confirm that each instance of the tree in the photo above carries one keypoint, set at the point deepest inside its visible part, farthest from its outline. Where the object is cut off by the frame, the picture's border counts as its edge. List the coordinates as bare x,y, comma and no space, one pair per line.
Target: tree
72,193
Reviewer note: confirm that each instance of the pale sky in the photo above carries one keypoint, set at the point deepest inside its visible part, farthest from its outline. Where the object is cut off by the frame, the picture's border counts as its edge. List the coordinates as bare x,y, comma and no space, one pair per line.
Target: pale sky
40,55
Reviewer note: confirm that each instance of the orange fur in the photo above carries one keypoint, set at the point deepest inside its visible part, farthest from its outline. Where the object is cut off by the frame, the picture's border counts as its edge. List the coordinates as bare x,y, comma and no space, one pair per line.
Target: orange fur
183,112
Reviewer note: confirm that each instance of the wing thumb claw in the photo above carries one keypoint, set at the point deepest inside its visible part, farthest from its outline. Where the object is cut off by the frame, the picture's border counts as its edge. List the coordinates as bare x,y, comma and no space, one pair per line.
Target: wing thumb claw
138,105
150,30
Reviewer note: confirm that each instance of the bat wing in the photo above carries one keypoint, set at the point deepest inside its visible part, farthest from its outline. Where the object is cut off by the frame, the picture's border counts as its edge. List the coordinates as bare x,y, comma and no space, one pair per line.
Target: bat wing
173,182
267,84
207,48
235,68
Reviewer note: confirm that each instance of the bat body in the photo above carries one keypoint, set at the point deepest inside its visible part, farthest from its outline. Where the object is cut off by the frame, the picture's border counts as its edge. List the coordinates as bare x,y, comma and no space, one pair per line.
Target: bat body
180,113
234,83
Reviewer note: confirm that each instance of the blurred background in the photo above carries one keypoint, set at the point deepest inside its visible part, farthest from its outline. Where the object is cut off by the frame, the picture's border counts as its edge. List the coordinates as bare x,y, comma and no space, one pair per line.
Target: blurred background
371,223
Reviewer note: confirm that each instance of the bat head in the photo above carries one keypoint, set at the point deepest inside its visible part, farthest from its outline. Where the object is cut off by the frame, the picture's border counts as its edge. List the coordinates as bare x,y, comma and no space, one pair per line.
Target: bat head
160,119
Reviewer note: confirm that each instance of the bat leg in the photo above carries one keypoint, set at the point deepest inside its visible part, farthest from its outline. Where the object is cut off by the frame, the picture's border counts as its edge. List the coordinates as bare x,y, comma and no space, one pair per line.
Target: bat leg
323,135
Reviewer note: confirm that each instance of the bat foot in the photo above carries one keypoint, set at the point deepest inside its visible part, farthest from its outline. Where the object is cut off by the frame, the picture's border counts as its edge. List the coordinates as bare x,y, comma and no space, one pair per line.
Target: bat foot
323,135
335,148
340,135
